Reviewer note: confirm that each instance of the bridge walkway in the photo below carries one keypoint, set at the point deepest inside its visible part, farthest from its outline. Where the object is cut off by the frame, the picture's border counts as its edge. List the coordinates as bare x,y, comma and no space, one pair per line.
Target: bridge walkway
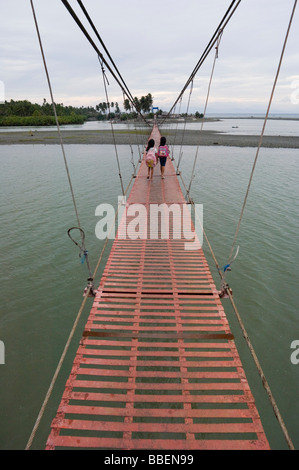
157,366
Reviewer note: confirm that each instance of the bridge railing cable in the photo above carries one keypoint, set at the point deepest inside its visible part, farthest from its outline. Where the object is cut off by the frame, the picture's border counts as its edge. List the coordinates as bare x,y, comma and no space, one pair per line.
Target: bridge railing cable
264,127
103,62
83,8
222,25
204,113
120,82
222,276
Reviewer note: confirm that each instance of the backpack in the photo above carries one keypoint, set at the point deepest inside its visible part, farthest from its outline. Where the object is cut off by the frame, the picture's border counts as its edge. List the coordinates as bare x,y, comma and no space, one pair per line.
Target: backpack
150,158
163,151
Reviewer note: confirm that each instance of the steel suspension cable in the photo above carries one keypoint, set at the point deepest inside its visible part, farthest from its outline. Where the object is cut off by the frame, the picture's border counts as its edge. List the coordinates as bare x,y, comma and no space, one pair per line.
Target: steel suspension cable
204,113
263,129
112,129
222,25
92,276
247,339
102,60
60,137
105,48
83,8
250,346
74,327
99,54
176,129
243,329
184,129
42,410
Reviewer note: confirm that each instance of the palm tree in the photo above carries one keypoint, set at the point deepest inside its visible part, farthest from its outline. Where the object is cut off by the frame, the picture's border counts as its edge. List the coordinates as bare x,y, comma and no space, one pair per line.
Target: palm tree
127,105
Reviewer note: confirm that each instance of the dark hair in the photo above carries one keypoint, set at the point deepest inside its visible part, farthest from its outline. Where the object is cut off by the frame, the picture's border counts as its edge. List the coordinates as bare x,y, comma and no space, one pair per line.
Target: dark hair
151,143
163,141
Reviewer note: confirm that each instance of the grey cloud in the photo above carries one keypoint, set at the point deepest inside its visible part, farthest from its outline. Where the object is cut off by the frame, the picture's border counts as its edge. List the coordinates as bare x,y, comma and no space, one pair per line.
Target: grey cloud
156,45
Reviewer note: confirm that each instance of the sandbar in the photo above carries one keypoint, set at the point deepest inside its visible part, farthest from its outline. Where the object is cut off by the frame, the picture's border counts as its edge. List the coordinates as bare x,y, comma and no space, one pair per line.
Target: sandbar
130,137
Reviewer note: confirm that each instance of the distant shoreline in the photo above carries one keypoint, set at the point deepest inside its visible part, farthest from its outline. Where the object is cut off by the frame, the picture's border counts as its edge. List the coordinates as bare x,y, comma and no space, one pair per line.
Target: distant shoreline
127,137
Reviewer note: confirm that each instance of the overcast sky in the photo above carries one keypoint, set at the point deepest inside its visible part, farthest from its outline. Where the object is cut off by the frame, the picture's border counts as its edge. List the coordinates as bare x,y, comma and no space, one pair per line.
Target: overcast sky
156,45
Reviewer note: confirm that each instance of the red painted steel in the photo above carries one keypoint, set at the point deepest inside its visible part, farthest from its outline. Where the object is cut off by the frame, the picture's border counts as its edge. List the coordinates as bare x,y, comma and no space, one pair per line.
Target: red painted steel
157,366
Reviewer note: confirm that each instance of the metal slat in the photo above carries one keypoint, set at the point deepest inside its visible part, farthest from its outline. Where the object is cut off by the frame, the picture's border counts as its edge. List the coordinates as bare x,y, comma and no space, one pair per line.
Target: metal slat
86,410
159,427
154,444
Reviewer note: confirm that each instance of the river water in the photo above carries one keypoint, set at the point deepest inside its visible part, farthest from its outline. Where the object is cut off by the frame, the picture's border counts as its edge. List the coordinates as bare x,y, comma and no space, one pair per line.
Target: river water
42,278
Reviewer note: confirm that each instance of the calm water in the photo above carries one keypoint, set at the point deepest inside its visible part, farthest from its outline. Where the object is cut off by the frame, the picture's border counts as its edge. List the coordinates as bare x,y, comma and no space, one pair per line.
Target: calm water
235,126
42,279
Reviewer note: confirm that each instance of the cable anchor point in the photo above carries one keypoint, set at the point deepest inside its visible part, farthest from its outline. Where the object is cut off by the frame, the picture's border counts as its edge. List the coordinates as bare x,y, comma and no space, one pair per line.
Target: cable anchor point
225,291
89,290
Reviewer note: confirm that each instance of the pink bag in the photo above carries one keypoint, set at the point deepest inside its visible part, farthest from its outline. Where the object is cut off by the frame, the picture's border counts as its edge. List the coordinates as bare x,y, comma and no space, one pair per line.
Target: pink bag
150,158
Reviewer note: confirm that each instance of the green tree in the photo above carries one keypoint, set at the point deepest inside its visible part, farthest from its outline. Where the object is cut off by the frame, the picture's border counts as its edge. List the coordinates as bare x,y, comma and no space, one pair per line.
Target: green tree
117,110
137,104
127,105
148,103
144,104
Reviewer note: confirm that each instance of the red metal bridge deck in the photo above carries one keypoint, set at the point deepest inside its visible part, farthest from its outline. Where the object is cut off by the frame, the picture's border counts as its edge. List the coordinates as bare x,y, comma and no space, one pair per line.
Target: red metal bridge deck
157,367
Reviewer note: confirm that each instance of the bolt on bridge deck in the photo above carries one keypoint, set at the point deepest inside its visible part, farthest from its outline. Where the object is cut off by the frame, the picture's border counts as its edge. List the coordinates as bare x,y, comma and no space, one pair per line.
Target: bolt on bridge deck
157,366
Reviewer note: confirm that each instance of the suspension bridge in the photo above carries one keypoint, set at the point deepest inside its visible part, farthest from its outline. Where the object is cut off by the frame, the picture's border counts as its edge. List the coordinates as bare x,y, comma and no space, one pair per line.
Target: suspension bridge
157,366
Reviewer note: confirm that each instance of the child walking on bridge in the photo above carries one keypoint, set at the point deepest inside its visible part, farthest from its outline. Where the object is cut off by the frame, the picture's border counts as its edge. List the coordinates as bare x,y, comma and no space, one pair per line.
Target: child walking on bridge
150,158
162,154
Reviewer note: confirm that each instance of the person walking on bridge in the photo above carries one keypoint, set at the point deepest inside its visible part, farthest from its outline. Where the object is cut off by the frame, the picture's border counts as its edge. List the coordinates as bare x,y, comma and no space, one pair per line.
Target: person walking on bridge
162,154
150,158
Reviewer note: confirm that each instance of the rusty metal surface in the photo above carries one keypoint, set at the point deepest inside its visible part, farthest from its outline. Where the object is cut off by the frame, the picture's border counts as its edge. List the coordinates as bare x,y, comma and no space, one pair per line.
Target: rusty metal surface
157,366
